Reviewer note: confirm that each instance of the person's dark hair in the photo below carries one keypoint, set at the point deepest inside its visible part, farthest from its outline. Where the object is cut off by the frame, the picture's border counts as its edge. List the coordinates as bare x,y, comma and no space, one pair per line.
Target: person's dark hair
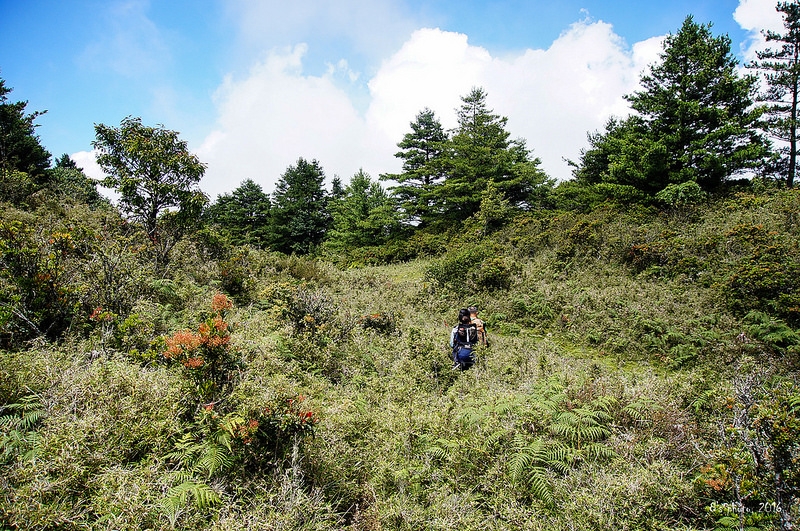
463,315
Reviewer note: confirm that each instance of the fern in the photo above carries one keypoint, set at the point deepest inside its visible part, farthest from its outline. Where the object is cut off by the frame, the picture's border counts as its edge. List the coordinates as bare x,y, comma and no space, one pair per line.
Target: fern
17,435
179,497
641,409
530,463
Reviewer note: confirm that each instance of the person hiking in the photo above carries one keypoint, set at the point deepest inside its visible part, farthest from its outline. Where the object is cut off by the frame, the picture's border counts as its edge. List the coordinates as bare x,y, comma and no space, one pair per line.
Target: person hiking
479,324
463,339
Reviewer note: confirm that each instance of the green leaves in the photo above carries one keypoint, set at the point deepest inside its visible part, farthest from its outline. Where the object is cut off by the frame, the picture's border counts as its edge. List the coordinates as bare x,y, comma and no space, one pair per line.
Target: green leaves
156,177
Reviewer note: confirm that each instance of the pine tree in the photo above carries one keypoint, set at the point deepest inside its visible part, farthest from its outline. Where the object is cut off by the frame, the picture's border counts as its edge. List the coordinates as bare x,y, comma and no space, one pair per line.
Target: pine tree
300,216
244,213
700,109
20,150
480,151
421,151
781,69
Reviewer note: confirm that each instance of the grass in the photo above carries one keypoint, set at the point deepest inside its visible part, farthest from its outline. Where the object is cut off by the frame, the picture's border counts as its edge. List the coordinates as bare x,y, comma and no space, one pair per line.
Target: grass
598,405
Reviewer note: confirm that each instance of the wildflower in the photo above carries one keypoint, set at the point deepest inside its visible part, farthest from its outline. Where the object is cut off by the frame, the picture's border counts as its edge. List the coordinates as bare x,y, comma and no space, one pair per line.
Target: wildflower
193,363
181,342
220,303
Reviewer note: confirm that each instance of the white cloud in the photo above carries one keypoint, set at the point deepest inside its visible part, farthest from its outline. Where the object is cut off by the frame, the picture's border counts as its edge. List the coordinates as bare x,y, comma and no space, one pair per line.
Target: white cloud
553,97
276,115
87,161
754,16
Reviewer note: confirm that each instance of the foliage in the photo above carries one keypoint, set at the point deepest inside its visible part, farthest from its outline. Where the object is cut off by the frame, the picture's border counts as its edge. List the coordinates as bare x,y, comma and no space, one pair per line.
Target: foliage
206,355
156,177
300,216
18,429
422,152
696,121
362,217
781,71
471,268
20,149
244,213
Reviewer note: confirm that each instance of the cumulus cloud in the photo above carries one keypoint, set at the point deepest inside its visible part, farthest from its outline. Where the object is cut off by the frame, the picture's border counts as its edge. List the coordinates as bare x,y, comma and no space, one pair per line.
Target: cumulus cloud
87,161
754,16
277,113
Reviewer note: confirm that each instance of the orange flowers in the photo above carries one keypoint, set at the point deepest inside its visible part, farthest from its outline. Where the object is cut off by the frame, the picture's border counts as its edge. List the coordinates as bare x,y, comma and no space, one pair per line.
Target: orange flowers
182,342
221,303
205,353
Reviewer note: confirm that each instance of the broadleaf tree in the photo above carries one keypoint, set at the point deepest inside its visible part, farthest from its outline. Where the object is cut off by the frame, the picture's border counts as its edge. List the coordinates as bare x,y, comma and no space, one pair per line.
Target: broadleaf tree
156,177
781,69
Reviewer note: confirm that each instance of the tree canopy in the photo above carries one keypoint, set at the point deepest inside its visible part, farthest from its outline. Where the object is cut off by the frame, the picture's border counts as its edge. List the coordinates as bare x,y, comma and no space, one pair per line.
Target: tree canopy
781,69
300,215
20,148
244,213
156,176
696,121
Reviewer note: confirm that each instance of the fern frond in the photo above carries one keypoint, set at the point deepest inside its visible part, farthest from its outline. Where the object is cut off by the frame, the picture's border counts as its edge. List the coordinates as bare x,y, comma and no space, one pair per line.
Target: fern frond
179,496
641,409
215,458
443,449
604,403
539,486
599,451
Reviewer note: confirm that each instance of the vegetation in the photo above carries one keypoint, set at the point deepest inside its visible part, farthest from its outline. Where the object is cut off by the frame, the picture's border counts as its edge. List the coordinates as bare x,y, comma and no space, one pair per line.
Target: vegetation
287,367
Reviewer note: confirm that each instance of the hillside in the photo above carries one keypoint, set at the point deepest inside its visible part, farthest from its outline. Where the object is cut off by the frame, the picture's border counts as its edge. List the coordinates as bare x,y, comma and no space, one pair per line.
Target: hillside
641,375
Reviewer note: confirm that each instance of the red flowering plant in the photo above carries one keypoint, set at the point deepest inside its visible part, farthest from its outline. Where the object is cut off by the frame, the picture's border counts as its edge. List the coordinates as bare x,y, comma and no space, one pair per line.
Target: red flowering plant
206,354
271,432
255,441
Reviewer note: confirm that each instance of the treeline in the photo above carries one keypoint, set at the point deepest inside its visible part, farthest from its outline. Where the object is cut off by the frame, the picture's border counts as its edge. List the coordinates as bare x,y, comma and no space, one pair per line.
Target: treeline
699,126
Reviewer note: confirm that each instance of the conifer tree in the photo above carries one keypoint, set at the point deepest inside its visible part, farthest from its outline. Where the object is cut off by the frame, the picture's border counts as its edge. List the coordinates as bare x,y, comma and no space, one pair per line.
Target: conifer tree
23,160
700,109
422,153
364,216
696,121
300,216
244,213
481,151
781,69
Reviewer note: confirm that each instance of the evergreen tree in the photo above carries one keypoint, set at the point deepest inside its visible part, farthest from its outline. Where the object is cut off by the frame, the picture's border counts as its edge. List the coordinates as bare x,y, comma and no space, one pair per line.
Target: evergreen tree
68,181
696,105
422,153
244,214
363,217
781,69
22,157
479,152
300,215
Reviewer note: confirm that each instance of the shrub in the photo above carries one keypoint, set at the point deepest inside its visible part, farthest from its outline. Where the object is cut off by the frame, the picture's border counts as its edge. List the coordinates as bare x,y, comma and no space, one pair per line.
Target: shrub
206,355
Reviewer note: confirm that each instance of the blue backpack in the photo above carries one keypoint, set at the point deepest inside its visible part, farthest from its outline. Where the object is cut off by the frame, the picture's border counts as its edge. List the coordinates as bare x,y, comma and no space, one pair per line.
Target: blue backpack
465,339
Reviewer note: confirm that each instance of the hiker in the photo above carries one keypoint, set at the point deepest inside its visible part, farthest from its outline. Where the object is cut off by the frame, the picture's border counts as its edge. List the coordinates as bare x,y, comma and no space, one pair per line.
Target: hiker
479,324
463,339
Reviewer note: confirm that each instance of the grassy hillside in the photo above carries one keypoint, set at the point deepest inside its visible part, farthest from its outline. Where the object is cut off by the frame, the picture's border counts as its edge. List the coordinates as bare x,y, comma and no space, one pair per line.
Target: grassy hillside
641,375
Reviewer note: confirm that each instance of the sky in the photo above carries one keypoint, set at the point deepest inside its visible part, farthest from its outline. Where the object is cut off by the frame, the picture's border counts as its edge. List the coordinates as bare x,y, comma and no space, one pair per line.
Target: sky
253,85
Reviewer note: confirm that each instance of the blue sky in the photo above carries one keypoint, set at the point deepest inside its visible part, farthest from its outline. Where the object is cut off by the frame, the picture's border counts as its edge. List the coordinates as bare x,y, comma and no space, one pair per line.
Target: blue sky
253,85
